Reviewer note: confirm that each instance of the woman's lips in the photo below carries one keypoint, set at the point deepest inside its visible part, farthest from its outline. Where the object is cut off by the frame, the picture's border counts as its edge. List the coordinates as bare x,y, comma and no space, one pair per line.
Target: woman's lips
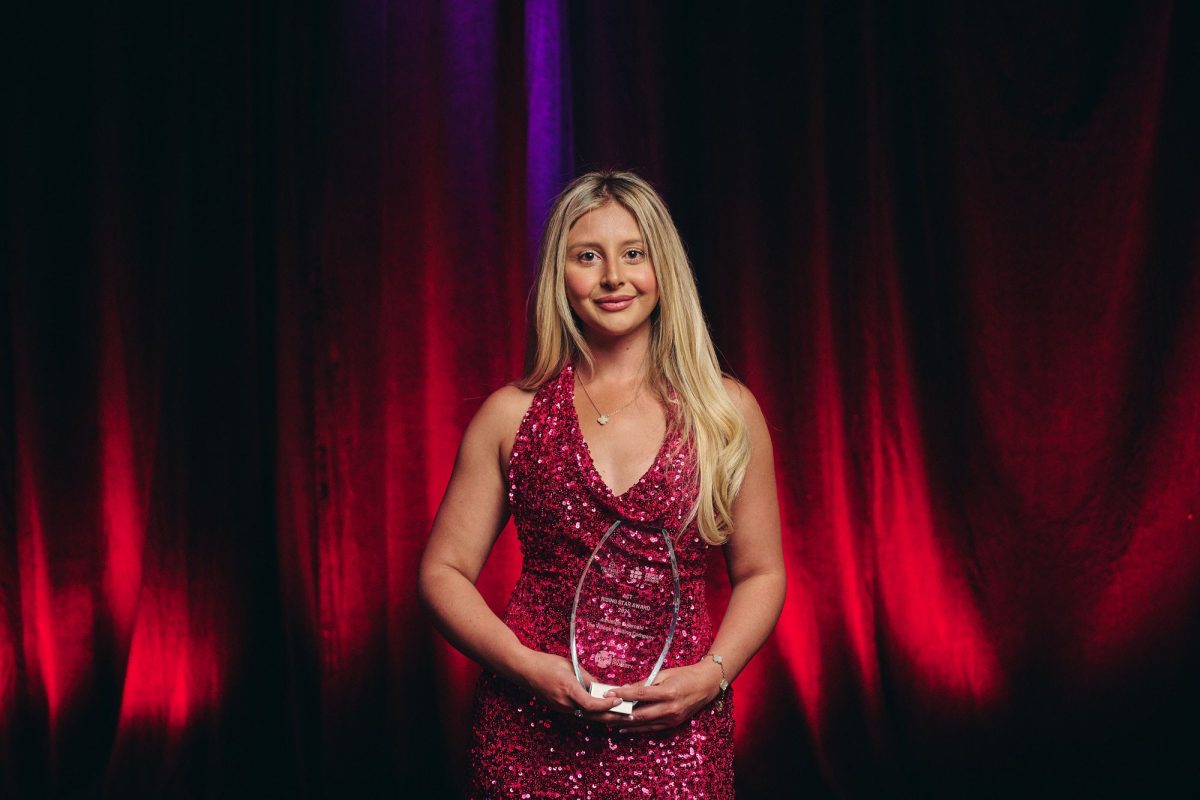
615,305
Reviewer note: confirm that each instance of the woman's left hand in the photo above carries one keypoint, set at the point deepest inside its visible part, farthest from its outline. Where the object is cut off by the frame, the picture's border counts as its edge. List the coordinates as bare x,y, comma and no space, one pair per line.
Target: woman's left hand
674,698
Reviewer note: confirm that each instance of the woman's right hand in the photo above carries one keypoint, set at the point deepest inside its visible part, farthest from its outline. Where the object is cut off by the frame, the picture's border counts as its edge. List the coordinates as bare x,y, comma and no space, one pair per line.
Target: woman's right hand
552,678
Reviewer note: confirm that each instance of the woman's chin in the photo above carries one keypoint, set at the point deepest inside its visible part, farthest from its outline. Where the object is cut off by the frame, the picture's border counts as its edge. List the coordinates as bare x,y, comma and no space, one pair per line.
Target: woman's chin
613,331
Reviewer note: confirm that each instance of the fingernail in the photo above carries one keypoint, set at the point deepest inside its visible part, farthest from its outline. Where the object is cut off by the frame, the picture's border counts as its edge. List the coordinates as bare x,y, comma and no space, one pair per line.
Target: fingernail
611,693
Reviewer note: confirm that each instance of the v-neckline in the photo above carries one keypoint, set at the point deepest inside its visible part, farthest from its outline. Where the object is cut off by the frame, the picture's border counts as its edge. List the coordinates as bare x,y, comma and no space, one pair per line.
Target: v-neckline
587,450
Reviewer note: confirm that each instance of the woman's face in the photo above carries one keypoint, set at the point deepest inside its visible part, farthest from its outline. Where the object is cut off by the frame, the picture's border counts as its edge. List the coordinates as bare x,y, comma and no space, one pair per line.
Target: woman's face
609,275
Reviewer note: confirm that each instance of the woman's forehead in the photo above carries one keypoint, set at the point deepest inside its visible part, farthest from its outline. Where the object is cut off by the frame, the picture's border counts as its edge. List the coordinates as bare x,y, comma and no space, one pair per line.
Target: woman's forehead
608,220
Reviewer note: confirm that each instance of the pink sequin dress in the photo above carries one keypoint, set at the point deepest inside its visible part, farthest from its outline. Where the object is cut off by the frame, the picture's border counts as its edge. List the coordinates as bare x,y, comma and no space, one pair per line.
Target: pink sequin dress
561,507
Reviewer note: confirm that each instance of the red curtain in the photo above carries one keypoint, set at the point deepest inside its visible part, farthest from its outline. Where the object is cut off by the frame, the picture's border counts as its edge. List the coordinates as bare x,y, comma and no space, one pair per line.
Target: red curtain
263,264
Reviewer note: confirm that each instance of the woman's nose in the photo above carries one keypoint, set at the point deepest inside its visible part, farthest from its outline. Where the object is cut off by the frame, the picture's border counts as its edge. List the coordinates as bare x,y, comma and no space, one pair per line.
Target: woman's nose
612,275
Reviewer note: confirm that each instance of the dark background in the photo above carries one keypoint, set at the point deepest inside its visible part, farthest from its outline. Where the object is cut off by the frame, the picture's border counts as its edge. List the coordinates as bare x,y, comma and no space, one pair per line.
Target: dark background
262,262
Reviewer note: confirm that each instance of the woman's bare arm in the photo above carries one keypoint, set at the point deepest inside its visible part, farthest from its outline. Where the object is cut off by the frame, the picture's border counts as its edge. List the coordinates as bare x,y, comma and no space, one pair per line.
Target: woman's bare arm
754,554
472,514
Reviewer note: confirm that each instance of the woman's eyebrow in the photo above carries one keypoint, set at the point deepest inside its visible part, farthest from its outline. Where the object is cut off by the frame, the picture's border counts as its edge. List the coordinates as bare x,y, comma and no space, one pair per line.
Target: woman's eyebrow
600,246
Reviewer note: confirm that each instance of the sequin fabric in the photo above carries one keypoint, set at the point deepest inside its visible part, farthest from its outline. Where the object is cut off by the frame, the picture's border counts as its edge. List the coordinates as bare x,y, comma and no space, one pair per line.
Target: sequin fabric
561,507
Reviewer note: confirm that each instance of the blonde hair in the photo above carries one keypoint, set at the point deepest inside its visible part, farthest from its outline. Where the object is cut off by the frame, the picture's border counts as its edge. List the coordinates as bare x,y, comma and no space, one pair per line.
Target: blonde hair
681,355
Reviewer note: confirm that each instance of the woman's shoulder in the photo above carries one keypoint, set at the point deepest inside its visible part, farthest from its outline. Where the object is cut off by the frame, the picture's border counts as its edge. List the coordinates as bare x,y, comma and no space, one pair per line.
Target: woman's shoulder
744,401
502,413
741,396
505,407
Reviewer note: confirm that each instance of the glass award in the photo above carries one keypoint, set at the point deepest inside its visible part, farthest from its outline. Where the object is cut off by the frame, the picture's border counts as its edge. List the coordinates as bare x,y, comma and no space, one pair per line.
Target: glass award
625,610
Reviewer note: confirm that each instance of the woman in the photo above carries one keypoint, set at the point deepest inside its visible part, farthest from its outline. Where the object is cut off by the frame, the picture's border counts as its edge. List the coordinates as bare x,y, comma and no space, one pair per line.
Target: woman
618,317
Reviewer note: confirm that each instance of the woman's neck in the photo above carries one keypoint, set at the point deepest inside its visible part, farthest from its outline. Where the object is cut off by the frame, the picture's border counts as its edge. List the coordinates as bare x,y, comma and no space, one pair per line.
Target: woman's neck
618,361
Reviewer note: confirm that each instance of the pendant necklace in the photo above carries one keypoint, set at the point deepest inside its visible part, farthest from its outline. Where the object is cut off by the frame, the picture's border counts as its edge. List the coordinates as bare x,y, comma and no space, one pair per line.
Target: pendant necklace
604,418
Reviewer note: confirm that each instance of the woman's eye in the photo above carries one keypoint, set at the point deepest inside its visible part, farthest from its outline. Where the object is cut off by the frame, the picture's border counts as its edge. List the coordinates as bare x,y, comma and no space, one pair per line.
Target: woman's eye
587,256
634,254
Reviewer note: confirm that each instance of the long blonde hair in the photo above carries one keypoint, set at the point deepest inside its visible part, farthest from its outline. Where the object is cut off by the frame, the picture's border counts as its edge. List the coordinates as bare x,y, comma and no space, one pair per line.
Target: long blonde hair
682,356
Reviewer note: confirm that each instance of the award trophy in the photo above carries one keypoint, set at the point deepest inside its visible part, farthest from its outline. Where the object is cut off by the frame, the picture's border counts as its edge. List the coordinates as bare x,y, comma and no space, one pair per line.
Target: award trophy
625,610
